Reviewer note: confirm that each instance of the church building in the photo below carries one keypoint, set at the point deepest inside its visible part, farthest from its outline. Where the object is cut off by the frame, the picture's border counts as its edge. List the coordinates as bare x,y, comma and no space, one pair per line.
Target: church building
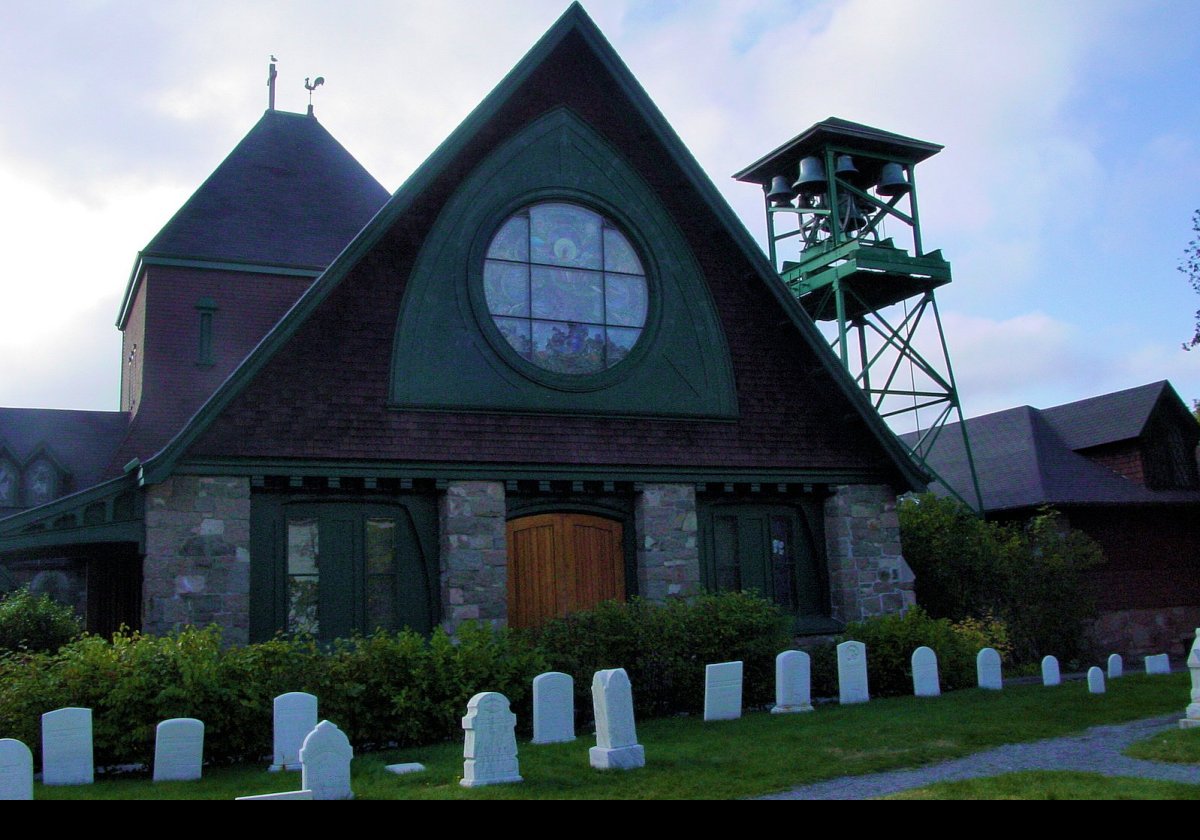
552,369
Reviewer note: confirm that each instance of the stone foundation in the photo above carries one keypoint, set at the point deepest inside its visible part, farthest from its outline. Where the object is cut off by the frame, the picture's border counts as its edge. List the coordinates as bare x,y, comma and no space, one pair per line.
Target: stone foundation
668,558
474,558
197,566
867,571
1168,630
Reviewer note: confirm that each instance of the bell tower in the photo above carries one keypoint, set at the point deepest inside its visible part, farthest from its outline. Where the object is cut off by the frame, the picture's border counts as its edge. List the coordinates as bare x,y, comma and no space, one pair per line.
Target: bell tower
844,233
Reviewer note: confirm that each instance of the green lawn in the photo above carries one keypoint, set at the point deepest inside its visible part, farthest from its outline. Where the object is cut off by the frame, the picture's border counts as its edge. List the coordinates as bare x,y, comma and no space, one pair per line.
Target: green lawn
1181,746
761,753
1053,785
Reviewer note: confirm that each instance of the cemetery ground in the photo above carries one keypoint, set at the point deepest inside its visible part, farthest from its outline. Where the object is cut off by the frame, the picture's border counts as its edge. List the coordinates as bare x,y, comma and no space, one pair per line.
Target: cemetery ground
763,753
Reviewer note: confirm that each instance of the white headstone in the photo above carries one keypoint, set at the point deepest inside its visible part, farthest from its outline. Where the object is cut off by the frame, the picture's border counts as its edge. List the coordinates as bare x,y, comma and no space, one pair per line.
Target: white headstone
793,683
490,750
16,770
179,750
280,797
405,769
852,673
553,708
67,747
616,736
295,717
987,669
1116,666
1158,664
1095,679
1192,721
925,673
1050,673
723,691
325,763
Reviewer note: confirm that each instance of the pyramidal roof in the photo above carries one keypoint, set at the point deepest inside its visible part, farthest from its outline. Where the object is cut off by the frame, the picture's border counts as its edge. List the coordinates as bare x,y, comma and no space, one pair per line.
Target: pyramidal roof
288,195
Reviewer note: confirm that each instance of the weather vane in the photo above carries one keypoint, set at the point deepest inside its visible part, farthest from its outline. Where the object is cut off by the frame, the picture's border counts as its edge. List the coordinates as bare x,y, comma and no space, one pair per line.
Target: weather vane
316,83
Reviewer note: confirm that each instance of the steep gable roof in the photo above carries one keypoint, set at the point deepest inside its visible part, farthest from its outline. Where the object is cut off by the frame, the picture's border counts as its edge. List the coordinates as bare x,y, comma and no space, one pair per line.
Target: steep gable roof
1108,418
574,24
288,197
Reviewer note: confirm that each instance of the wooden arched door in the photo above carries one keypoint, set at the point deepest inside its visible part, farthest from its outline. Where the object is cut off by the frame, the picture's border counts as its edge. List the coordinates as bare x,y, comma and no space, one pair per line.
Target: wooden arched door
562,562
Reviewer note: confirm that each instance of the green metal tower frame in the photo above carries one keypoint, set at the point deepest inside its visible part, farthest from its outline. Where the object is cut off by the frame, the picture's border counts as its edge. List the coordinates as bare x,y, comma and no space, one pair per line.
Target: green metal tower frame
878,296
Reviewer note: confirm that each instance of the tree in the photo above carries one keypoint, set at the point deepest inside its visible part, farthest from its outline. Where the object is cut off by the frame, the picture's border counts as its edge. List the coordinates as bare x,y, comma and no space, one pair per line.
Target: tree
1190,266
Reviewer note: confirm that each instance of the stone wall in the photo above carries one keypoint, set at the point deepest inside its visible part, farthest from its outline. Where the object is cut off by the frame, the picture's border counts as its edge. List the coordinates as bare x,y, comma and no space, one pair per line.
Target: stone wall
1167,630
474,559
867,571
668,559
197,566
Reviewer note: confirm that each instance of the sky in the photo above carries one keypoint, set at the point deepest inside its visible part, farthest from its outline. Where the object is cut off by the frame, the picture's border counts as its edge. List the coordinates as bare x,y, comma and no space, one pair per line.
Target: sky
1063,199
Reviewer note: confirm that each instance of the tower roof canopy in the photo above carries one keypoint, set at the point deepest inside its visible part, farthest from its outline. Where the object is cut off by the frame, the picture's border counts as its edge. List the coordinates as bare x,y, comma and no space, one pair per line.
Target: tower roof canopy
288,195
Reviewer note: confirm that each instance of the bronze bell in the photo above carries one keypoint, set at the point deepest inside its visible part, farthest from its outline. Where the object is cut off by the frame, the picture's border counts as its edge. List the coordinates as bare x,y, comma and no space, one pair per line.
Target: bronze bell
847,171
892,181
781,193
812,177
850,216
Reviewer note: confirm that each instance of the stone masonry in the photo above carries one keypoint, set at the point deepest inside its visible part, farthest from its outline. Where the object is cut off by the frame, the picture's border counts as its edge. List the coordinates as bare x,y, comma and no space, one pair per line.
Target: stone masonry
668,559
867,572
474,559
197,566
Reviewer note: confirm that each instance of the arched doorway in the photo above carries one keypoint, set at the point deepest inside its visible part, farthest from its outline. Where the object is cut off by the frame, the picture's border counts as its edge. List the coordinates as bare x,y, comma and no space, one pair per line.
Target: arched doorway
559,563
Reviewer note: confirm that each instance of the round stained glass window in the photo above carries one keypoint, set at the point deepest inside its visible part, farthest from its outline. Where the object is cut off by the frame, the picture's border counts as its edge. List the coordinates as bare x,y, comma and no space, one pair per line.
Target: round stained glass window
565,288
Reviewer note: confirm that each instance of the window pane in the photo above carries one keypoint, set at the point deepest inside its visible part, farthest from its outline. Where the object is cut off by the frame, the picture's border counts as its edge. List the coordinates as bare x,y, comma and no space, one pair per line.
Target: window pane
568,295
303,578
512,242
625,298
568,348
563,234
620,342
8,484
619,255
381,580
507,288
783,567
381,603
516,333
381,546
41,484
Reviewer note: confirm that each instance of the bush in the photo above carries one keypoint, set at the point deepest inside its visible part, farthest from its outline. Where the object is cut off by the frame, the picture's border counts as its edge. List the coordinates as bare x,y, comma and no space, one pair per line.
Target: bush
664,648
1034,579
35,622
380,689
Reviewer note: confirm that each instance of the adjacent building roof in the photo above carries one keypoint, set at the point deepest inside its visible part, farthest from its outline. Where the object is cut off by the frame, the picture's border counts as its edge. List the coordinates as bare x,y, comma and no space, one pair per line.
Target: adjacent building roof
1027,457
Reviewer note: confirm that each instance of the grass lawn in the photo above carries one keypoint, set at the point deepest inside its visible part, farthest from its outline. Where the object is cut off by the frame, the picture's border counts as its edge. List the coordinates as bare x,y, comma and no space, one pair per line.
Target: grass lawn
761,753
1181,746
1053,785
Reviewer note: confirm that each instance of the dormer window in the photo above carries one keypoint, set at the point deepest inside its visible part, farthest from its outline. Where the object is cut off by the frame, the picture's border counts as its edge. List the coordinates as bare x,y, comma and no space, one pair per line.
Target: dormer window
205,307
41,483
10,484
566,288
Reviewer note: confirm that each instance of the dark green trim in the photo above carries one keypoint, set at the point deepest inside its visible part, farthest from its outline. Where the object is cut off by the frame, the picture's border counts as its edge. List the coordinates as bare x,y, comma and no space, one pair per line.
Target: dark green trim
484,471
113,532
16,533
573,21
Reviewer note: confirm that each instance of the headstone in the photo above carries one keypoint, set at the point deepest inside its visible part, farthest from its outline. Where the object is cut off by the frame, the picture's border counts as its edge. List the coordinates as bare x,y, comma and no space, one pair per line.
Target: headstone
616,736
179,750
405,769
553,708
1095,679
793,683
325,763
295,717
1192,721
1050,672
1116,666
1158,664
67,747
490,751
723,691
852,673
16,770
272,797
925,673
987,669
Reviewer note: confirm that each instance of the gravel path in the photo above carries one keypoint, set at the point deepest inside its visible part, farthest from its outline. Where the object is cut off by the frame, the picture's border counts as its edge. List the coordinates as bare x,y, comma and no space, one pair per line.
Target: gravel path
1098,750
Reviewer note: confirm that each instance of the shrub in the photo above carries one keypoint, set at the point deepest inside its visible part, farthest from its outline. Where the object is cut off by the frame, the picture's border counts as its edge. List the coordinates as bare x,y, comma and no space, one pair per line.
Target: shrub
1032,578
31,622
664,648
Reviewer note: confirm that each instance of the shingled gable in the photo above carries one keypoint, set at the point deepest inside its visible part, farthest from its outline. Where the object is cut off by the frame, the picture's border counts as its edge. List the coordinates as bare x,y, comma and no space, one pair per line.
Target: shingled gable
287,199
824,436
